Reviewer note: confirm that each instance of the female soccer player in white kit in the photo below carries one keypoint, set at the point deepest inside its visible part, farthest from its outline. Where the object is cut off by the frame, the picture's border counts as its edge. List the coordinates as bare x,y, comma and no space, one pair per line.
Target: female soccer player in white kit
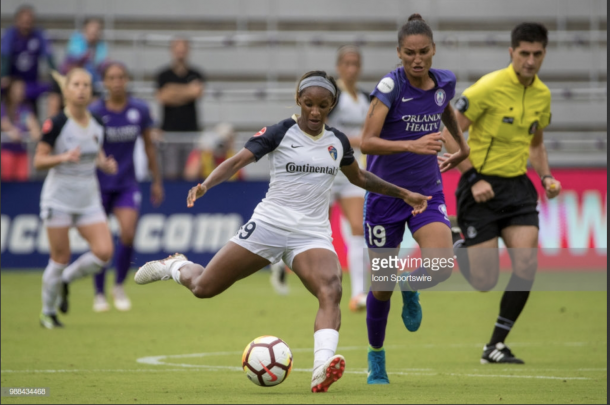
348,117
71,147
291,223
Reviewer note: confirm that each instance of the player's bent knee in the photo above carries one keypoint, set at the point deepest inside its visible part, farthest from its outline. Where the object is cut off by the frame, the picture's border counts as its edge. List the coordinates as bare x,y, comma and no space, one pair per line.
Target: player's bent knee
331,291
127,238
443,274
484,284
104,253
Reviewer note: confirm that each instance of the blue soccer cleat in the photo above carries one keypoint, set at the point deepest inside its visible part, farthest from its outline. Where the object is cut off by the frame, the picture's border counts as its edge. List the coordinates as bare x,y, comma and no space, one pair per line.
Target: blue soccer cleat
411,310
377,373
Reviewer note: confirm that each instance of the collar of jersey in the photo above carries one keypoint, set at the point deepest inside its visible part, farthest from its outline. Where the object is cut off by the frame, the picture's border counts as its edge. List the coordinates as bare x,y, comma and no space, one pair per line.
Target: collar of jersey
67,112
295,117
515,79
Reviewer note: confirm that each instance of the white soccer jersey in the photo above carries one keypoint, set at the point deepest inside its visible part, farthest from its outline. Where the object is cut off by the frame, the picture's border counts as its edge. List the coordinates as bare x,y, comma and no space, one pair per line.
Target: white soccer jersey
303,169
72,187
348,116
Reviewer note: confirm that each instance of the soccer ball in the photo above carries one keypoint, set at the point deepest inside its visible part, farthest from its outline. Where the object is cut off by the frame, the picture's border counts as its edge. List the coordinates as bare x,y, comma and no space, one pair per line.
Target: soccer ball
267,361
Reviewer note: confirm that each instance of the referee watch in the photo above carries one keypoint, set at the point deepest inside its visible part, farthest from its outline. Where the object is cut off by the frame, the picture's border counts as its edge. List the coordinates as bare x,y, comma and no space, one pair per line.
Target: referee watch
546,176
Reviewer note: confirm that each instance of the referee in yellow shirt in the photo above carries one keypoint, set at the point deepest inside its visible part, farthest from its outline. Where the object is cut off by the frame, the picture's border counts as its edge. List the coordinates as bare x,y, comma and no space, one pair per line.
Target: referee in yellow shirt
505,113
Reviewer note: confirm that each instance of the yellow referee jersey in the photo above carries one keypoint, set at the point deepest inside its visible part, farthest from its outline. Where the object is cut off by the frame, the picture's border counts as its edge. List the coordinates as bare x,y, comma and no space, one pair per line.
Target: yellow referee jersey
505,115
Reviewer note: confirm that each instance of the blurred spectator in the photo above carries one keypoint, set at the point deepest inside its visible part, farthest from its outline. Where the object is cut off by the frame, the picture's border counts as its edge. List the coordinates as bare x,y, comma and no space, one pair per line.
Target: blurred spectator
178,88
213,148
18,125
86,49
22,46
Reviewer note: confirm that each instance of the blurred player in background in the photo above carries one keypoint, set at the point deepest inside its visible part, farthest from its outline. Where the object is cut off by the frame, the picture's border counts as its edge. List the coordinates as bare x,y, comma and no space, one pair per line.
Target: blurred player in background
126,118
214,147
348,117
20,125
292,222
401,138
71,147
505,113
22,47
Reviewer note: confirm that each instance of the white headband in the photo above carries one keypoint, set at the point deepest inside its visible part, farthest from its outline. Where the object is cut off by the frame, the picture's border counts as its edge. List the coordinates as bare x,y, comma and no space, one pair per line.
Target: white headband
318,81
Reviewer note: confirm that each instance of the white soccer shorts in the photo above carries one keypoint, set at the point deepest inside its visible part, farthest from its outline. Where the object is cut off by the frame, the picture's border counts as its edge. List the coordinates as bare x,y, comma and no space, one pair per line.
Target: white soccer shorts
273,244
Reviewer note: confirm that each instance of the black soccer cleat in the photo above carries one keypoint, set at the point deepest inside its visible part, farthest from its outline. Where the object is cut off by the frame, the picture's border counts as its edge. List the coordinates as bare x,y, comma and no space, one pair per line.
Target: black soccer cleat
500,353
50,321
63,298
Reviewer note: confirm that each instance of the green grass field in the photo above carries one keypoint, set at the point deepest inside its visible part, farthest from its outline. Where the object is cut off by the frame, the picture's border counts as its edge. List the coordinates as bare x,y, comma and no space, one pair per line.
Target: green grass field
561,335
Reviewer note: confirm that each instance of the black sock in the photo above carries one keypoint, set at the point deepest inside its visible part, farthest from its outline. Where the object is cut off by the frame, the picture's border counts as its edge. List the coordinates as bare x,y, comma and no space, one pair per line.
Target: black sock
461,253
513,301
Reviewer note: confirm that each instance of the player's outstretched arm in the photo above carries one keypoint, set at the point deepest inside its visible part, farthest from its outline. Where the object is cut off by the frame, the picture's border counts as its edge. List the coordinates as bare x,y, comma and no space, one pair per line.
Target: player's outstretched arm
370,182
453,129
372,144
540,163
222,173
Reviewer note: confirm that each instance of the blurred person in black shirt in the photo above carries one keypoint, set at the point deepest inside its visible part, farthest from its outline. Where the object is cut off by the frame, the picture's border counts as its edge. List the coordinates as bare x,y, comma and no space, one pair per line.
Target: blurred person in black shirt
178,88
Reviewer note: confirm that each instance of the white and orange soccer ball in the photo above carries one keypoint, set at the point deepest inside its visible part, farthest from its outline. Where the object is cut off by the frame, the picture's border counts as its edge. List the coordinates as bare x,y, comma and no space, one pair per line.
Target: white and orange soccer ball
267,361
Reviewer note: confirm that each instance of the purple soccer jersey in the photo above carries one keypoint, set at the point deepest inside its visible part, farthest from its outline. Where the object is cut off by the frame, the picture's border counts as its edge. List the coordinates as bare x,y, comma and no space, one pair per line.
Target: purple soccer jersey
20,122
412,114
24,52
122,131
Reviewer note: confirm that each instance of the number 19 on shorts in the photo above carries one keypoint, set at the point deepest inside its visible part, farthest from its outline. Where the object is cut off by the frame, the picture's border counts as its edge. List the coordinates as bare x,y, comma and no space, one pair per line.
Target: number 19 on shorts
377,235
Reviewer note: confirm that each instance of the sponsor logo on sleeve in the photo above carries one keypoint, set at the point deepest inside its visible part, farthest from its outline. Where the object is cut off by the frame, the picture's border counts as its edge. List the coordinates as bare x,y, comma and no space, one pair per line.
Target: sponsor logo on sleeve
261,132
47,126
462,104
386,85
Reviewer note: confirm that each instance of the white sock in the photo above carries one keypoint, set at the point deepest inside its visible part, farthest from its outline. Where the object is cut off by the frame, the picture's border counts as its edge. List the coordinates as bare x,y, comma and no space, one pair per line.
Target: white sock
85,265
325,342
175,267
51,284
355,260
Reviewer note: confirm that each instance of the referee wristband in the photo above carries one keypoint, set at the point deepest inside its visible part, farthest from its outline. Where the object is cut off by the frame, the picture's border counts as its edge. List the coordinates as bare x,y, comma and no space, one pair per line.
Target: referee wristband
546,176
472,177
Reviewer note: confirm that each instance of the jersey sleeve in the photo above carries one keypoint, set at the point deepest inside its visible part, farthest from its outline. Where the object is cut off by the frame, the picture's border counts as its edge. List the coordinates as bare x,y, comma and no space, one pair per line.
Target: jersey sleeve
474,101
7,42
450,88
266,140
147,121
386,90
348,151
52,128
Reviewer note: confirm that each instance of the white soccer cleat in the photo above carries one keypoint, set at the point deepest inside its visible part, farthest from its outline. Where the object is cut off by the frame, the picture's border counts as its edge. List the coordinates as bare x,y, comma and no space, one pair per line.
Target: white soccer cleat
328,373
157,269
100,304
121,300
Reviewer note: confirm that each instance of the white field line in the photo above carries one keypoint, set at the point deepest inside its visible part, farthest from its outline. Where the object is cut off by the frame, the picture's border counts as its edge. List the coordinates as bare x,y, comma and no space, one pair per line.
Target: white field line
160,361
214,368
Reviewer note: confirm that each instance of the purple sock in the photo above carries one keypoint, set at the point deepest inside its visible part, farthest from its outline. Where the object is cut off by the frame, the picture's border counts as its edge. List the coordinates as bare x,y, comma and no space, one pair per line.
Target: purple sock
421,285
376,319
122,261
99,281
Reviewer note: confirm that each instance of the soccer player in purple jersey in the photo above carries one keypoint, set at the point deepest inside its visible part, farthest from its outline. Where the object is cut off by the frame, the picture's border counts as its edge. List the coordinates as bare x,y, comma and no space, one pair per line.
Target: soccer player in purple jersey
125,118
402,138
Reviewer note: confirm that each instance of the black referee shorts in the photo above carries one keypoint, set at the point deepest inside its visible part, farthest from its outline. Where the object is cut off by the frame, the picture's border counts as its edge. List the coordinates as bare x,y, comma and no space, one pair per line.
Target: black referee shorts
515,203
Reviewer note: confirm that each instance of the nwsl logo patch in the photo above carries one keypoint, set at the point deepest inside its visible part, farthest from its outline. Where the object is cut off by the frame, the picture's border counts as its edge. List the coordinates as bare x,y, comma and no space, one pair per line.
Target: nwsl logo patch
333,152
